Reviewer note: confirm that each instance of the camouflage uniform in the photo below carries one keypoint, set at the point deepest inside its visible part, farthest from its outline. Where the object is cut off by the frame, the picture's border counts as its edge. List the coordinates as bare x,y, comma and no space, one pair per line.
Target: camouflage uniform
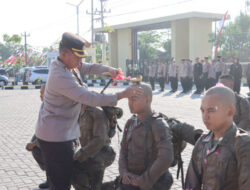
220,165
95,153
242,114
147,151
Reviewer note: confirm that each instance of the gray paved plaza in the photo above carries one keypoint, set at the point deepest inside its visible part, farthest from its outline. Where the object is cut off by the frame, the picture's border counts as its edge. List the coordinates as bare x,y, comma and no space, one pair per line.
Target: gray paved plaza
18,115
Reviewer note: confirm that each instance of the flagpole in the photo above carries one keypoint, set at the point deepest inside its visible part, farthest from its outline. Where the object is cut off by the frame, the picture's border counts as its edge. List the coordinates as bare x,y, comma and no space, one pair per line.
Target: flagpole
219,35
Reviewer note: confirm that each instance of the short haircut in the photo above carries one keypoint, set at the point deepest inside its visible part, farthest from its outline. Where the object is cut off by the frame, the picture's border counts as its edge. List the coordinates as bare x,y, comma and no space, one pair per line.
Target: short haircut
224,94
227,77
62,48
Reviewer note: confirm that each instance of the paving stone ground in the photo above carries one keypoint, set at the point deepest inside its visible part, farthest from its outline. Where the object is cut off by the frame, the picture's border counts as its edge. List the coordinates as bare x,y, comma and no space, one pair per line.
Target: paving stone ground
18,115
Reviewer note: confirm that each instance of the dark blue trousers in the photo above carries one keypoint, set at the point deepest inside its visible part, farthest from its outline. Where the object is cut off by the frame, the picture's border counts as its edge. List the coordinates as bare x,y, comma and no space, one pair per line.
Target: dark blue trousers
58,158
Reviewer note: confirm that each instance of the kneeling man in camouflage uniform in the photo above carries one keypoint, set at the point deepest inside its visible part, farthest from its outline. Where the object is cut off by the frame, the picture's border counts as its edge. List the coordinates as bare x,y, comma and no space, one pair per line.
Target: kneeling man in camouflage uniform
96,154
146,148
221,158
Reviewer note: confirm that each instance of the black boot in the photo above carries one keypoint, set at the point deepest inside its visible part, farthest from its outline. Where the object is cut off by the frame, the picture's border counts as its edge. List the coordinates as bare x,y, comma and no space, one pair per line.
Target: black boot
44,185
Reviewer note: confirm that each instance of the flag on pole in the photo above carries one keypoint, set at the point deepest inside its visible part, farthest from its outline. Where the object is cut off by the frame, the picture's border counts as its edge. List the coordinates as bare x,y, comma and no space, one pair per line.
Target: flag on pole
12,60
221,27
31,60
43,62
8,60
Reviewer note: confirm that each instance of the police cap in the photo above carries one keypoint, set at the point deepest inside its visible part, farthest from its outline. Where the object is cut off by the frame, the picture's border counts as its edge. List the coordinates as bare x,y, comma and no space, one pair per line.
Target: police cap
74,43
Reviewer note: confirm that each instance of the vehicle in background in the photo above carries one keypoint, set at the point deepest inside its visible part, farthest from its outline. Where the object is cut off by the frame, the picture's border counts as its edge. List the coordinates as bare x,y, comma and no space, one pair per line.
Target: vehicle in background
38,75
3,71
22,74
3,80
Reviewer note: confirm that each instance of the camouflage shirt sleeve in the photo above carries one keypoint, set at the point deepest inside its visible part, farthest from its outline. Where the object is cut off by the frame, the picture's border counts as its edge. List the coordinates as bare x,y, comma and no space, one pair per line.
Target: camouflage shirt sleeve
98,141
124,152
242,147
163,142
245,114
193,178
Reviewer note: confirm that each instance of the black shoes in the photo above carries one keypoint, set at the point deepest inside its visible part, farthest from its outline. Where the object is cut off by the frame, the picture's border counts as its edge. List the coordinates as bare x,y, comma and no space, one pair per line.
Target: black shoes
173,91
44,185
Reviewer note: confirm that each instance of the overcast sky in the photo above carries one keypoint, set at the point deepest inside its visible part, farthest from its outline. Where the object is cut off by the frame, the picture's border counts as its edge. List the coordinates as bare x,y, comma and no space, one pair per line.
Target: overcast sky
46,20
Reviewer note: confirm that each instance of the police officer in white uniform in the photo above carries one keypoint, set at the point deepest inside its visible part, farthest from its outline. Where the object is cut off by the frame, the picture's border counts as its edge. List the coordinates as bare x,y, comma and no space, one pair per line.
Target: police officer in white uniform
57,125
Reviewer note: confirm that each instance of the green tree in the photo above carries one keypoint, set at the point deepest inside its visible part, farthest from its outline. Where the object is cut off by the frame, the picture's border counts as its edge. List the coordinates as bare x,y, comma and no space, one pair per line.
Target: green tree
151,42
148,43
11,45
235,38
167,47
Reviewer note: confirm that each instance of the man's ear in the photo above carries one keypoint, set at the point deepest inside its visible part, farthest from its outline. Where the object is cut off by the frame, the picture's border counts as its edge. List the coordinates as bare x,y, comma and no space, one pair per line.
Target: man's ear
148,99
232,111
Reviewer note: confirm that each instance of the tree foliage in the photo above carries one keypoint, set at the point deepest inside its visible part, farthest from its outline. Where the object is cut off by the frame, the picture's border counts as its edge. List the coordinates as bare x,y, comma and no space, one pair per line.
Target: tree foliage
10,45
235,38
151,43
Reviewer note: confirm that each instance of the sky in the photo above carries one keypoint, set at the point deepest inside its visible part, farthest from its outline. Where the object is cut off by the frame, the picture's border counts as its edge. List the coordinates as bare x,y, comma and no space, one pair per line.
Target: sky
46,20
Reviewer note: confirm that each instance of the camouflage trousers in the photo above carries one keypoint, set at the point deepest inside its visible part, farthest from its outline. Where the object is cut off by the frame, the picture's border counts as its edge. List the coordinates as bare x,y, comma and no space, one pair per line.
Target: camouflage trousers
88,175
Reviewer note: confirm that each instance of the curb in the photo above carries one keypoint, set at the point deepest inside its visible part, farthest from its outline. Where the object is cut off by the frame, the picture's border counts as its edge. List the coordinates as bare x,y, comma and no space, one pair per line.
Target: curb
24,87
89,83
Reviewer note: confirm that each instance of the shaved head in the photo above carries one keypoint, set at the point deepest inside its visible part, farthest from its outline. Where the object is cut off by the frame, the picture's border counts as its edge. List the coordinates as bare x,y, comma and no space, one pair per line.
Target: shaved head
141,104
224,95
147,90
218,109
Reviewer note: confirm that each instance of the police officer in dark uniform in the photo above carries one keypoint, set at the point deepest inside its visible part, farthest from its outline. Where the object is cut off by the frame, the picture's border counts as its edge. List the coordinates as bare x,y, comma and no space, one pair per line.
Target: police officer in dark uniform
198,76
236,72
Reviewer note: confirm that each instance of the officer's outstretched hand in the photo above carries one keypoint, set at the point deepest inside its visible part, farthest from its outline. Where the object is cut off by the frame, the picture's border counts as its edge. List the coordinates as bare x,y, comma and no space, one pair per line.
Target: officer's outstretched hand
112,71
130,92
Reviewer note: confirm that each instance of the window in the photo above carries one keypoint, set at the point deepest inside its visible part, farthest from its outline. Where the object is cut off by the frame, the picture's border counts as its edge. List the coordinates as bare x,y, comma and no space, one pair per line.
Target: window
2,72
41,71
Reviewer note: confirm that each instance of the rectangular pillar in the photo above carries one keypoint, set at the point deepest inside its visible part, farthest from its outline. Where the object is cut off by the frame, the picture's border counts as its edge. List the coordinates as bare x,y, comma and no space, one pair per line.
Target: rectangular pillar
124,48
199,30
113,53
180,39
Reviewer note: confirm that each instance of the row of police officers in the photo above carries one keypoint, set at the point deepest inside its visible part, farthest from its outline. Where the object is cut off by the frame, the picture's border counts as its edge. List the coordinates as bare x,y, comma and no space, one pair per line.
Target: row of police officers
203,73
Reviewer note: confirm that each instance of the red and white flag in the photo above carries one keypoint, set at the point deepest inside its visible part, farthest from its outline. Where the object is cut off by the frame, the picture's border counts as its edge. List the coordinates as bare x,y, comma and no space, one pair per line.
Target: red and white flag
8,60
43,62
12,60
221,27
